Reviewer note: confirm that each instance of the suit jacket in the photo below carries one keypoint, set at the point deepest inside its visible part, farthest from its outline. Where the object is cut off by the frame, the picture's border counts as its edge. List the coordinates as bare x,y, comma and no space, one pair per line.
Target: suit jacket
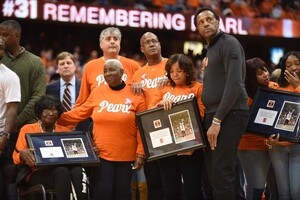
54,90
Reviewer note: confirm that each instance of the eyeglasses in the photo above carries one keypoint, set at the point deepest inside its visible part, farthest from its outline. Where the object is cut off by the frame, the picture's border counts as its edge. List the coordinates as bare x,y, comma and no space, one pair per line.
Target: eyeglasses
148,42
48,112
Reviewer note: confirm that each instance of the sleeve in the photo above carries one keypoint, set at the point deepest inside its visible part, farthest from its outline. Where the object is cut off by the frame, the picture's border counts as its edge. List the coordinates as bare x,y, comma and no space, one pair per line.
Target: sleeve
12,88
141,107
38,83
80,113
20,145
234,62
297,89
157,97
85,89
199,102
134,67
135,77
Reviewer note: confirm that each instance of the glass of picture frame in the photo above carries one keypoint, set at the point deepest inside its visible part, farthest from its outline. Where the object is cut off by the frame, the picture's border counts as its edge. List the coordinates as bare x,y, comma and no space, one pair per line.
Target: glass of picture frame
167,133
275,112
62,148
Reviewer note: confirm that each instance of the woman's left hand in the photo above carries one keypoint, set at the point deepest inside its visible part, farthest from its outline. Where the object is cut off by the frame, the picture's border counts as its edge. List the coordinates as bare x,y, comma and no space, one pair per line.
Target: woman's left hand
138,163
293,79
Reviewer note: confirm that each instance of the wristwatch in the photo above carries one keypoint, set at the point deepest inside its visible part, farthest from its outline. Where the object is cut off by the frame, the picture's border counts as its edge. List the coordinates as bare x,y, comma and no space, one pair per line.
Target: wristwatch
5,134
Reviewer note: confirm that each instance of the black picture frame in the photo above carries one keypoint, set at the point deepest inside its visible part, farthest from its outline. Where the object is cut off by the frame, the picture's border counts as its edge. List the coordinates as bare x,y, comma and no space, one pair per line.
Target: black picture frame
62,148
162,135
275,111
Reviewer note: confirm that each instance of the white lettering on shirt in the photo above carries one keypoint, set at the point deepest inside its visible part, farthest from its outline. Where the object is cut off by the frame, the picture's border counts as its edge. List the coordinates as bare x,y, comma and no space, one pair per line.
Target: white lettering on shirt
177,98
150,83
110,107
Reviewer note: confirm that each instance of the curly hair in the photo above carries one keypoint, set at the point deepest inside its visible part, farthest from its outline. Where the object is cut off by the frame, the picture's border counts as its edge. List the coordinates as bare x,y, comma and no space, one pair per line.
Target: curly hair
185,63
282,81
47,102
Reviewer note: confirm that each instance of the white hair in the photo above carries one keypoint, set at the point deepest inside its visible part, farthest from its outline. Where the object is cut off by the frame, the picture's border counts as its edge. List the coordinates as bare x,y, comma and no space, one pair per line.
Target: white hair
113,62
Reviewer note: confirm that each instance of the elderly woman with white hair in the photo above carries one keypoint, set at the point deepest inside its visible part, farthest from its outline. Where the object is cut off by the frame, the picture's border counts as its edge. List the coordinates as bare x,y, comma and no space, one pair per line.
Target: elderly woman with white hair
115,133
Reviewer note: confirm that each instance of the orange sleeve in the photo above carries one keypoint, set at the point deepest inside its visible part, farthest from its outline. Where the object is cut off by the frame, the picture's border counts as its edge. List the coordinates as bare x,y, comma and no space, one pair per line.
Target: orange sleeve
79,113
20,145
85,89
140,107
199,101
297,89
157,97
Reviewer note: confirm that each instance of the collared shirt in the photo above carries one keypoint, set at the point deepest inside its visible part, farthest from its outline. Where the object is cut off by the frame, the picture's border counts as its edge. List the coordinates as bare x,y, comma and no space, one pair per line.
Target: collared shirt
22,50
71,88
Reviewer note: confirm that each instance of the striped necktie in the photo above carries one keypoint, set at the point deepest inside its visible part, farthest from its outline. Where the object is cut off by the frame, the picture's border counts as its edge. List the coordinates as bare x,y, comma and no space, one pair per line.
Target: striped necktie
66,102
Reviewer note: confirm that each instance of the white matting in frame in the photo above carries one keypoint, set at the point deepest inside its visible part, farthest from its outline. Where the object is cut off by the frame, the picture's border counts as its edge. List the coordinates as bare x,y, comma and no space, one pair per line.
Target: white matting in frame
288,116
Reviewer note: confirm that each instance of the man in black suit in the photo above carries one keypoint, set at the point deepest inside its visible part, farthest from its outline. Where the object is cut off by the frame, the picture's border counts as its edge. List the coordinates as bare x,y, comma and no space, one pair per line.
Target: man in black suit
66,69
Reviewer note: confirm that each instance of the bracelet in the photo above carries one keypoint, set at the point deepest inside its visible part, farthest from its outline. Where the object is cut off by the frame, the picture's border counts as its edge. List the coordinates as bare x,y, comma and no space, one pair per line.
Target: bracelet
140,156
215,122
268,144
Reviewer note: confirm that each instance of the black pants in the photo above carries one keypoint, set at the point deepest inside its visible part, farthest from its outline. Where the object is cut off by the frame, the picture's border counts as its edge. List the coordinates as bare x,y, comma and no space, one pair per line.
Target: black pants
221,161
154,180
60,179
9,172
111,180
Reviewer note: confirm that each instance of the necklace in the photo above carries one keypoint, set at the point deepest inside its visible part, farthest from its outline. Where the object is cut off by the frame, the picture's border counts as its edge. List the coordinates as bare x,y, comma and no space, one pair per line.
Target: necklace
40,124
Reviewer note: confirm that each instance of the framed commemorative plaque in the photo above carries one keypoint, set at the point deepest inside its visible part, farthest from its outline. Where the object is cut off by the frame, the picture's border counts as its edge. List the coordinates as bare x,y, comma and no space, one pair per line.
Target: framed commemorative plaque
275,112
166,133
62,148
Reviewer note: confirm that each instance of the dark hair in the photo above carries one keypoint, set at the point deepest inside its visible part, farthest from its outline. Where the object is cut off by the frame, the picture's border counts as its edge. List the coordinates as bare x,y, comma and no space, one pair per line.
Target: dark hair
282,81
47,102
252,65
13,24
205,9
185,63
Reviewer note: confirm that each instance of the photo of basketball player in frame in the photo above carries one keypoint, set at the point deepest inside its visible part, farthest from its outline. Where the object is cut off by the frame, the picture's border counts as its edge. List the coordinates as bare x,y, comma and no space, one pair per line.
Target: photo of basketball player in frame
275,112
166,133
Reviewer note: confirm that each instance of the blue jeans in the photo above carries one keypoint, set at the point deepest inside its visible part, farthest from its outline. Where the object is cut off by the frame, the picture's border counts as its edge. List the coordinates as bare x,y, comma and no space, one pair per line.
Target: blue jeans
174,169
256,165
286,163
240,181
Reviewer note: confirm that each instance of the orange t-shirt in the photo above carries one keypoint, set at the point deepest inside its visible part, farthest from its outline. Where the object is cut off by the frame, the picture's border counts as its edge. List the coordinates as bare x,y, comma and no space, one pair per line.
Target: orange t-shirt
179,93
22,143
149,76
115,131
93,76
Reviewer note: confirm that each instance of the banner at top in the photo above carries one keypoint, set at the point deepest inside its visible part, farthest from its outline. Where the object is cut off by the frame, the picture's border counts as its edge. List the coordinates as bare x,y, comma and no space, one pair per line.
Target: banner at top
96,15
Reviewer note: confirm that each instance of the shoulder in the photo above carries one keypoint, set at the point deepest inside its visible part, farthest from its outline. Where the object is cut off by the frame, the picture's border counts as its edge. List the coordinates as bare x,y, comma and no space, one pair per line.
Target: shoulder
54,84
32,57
127,61
273,85
30,127
93,63
6,72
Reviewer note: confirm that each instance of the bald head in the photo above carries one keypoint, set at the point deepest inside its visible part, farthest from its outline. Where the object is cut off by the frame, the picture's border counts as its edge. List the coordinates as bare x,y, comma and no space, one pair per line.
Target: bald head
147,35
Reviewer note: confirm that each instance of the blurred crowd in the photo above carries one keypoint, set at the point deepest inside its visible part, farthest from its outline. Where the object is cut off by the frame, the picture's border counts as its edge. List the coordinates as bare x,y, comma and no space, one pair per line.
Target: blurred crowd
278,9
